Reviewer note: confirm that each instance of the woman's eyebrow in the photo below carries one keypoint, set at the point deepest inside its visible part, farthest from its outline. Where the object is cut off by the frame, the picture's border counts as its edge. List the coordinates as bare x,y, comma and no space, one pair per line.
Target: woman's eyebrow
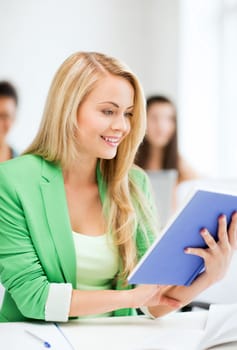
114,104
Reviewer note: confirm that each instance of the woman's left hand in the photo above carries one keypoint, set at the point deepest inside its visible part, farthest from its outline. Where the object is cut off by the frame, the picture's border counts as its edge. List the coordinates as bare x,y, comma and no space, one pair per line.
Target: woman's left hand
217,256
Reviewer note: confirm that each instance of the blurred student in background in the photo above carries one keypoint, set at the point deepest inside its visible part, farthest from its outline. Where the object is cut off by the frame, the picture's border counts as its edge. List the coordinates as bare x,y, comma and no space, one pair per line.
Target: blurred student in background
159,149
8,106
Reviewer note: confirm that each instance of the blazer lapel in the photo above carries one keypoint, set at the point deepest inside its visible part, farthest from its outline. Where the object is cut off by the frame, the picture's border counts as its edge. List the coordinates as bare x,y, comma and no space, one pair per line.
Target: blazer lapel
52,187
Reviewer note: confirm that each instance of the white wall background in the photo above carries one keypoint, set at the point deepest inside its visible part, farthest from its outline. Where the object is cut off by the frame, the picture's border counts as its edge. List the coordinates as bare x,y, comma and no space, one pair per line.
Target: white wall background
207,91
228,91
199,83
36,36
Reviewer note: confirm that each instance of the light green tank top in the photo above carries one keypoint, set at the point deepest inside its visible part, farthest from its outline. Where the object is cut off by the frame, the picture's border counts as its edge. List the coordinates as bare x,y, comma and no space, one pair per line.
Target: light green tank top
97,263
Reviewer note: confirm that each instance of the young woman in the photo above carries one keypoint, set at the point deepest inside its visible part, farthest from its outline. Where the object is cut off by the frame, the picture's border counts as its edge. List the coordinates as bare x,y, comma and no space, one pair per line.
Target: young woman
78,215
159,150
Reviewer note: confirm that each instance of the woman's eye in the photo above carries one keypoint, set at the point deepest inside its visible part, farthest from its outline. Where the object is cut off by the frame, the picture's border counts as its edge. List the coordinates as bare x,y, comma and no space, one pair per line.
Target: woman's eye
108,111
128,114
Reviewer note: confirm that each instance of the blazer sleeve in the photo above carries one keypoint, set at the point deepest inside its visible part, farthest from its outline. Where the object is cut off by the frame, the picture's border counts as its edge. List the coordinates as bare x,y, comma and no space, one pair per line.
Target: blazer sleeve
20,269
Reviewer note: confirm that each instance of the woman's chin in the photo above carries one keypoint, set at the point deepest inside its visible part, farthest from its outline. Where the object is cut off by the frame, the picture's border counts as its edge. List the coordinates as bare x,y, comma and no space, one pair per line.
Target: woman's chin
110,155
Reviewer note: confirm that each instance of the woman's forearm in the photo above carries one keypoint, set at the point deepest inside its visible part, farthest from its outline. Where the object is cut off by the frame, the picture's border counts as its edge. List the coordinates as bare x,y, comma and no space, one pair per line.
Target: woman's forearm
182,293
100,301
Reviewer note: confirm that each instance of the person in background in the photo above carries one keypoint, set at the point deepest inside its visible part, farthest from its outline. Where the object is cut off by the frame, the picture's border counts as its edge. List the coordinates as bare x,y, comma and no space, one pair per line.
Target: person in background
159,149
79,214
8,106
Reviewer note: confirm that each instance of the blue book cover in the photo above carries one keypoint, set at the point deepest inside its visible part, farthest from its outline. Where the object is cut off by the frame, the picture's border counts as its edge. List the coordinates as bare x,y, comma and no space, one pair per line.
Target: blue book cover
165,261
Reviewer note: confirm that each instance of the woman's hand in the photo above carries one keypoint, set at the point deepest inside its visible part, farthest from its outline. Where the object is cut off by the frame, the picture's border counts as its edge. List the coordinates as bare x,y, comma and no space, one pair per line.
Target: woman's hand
152,295
217,256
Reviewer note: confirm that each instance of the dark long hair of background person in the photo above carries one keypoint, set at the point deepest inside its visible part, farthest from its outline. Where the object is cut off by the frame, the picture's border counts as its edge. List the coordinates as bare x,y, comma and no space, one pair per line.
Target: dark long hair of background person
170,159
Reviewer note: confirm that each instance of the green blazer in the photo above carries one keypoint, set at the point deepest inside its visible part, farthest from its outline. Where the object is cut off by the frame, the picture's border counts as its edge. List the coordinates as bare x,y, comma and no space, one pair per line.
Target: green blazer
36,243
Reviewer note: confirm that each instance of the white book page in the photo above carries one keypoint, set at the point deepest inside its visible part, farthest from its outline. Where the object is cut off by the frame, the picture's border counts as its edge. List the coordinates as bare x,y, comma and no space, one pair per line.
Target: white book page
221,327
13,336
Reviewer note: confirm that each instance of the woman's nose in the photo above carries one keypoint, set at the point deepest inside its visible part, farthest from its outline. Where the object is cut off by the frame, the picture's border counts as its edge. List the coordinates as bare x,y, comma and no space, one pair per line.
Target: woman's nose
121,123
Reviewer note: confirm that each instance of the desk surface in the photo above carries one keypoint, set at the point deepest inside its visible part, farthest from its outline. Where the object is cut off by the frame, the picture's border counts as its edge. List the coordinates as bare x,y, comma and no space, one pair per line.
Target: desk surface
177,331
136,333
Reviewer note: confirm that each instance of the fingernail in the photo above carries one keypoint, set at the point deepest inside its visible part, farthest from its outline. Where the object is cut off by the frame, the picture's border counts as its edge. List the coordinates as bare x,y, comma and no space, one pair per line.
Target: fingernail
186,250
203,231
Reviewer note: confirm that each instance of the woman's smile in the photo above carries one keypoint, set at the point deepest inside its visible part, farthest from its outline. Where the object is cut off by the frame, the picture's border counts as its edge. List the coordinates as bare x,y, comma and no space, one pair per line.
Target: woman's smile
111,140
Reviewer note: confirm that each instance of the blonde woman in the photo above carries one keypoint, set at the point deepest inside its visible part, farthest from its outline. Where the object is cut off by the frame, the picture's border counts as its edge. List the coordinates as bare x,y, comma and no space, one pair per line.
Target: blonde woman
78,215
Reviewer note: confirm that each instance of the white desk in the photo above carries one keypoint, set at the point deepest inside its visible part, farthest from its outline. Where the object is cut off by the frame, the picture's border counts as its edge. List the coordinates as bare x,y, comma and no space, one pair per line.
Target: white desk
178,331
131,333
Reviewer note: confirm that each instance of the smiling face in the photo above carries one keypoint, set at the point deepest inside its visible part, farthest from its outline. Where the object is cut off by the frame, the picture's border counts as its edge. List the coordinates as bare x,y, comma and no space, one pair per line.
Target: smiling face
104,117
161,123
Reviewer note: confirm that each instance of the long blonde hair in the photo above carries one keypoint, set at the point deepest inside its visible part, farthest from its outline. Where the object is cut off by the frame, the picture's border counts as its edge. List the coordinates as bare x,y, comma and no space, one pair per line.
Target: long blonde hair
56,142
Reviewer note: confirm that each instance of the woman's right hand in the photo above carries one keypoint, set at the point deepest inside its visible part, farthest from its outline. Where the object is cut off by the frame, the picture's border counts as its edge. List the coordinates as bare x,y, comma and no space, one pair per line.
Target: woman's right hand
152,295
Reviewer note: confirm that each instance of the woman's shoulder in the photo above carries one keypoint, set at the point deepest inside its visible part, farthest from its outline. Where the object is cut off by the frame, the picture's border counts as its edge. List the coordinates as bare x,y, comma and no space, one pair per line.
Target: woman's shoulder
21,161
25,167
136,172
139,176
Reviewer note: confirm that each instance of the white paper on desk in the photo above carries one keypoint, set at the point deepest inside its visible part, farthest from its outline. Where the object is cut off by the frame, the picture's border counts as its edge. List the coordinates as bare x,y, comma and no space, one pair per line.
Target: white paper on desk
221,327
172,339
14,337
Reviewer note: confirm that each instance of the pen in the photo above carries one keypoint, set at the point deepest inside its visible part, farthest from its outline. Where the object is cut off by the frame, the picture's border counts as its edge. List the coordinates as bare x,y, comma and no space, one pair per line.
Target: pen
45,343
67,340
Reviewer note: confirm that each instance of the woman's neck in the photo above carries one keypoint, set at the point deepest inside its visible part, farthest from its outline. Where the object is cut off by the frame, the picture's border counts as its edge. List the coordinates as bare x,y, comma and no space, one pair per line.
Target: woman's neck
80,173
155,160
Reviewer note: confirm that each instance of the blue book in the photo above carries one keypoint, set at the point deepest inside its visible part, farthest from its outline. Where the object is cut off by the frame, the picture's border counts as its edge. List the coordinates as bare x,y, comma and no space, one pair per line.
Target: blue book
165,261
